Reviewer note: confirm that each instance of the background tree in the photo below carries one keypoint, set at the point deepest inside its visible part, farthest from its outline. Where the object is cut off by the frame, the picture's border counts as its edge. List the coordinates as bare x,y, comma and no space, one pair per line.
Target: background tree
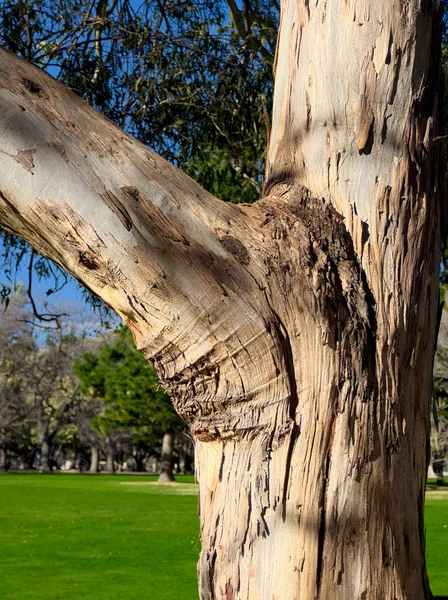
38,392
439,434
16,343
133,399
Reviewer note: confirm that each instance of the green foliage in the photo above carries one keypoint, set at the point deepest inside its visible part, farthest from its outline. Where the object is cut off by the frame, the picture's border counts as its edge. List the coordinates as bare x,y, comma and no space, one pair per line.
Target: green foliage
133,400
178,75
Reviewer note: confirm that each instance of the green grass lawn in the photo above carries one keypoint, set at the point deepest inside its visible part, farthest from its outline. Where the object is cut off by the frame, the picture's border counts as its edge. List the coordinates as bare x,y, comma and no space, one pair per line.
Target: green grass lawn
97,538
118,538
436,521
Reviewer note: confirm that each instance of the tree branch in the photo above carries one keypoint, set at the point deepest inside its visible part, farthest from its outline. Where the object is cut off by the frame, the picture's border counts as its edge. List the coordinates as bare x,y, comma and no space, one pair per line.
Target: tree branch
246,34
173,261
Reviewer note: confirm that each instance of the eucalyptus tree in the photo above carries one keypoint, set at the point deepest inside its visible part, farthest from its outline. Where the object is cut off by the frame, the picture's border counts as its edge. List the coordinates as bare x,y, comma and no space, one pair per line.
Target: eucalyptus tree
295,335
16,343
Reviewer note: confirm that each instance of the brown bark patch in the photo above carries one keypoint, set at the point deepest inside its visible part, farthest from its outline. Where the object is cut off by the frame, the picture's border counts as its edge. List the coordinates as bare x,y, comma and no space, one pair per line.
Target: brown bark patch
117,207
32,86
25,158
88,262
132,192
229,591
236,248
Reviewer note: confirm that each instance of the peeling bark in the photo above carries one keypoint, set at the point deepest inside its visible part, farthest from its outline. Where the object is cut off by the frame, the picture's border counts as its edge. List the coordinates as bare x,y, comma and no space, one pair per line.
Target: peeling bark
296,336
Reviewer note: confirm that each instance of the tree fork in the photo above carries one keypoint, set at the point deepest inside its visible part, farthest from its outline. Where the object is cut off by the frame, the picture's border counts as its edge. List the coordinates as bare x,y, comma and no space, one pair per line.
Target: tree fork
296,335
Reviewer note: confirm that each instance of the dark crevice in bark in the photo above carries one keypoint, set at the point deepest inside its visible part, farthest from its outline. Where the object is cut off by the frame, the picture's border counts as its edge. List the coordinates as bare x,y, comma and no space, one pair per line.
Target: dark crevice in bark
249,512
285,343
32,86
265,531
211,575
322,528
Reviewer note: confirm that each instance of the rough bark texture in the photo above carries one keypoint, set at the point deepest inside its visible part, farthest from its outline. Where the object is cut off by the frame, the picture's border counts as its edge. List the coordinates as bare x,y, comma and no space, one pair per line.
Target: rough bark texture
94,458
166,460
296,336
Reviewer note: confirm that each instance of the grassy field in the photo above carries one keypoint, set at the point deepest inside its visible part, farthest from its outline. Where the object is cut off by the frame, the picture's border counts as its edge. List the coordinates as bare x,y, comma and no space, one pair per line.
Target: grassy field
436,521
97,538
123,538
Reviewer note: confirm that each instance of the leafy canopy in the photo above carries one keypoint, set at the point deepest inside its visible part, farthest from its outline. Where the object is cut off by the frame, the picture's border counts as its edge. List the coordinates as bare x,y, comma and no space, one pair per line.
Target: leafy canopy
133,400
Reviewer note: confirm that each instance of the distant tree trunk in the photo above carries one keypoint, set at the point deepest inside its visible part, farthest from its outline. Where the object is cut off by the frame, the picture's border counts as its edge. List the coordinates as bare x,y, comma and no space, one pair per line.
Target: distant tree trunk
139,462
28,461
109,462
3,452
438,466
3,458
153,465
182,464
94,456
45,455
166,460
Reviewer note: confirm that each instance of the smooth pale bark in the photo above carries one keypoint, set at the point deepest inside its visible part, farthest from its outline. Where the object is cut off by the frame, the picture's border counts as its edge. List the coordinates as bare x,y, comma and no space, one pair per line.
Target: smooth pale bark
45,455
166,459
296,336
94,459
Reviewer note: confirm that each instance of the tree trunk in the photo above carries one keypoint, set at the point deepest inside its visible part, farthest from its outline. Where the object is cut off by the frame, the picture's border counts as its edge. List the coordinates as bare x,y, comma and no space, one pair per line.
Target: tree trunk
109,463
3,452
3,459
296,336
139,462
166,460
94,457
438,466
45,455
182,464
